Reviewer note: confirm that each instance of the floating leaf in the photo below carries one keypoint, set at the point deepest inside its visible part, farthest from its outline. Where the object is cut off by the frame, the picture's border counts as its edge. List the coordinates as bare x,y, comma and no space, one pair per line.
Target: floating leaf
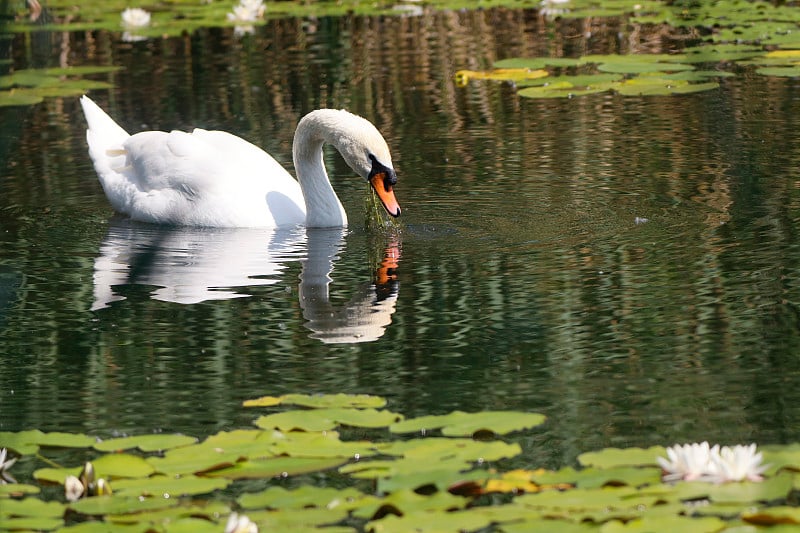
683,524
278,466
535,63
773,516
783,72
583,81
302,498
615,457
30,507
319,400
104,505
463,77
164,486
146,443
16,490
459,423
28,442
638,67
324,419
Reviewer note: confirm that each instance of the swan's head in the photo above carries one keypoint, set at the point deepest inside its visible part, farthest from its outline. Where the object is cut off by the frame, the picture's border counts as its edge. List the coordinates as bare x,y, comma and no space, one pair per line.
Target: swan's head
363,148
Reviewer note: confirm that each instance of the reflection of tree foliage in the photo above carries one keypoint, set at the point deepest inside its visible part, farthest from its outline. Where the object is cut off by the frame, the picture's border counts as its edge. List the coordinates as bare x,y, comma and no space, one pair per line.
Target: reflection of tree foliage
525,282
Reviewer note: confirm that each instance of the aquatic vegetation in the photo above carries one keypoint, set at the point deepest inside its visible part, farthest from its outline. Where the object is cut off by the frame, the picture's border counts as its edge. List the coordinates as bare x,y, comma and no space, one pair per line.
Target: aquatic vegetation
31,86
446,472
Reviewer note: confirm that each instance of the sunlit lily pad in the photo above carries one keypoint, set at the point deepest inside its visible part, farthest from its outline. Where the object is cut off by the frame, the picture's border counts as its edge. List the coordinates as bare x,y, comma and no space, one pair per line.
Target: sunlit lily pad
278,466
105,505
615,457
146,443
535,63
578,82
167,486
783,72
467,424
17,490
319,400
773,516
28,442
30,507
324,419
303,498
638,67
709,524
463,77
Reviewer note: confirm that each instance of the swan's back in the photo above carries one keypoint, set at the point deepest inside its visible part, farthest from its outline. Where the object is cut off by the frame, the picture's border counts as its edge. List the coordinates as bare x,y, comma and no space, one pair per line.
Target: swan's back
203,178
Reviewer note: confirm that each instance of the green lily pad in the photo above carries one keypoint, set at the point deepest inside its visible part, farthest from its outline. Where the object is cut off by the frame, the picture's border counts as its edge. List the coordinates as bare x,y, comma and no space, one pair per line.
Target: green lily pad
783,72
708,524
582,81
302,498
15,490
165,486
278,466
325,419
319,401
616,457
146,443
105,505
639,67
463,424
30,507
429,522
209,511
28,442
29,523
19,97
535,63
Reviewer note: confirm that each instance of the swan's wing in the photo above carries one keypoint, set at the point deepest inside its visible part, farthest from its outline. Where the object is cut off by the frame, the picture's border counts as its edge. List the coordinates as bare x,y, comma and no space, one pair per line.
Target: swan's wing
208,178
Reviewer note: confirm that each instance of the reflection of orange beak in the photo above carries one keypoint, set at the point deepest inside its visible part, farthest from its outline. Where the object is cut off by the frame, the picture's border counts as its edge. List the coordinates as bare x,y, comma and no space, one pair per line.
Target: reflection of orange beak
380,183
388,270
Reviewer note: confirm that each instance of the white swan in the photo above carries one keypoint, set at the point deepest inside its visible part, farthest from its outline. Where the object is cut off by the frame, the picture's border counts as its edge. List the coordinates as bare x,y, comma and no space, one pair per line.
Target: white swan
215,179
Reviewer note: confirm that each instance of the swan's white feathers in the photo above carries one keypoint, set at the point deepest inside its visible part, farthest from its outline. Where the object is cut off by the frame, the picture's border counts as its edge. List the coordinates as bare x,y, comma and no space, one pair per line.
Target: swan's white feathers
214,178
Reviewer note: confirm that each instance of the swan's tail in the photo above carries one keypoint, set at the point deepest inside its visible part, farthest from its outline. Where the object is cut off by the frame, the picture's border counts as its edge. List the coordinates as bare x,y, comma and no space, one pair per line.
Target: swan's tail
105,138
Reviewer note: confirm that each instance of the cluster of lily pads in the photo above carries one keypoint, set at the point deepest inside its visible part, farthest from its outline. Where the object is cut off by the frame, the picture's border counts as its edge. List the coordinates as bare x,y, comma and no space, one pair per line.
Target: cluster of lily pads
296,471
635,75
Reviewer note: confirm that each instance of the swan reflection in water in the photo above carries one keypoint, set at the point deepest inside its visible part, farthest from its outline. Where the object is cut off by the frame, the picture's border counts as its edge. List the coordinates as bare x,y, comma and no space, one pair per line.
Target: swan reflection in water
193,265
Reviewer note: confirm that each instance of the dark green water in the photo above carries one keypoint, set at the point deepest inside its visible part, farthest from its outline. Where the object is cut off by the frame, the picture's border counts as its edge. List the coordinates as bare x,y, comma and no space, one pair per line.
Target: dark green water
626,266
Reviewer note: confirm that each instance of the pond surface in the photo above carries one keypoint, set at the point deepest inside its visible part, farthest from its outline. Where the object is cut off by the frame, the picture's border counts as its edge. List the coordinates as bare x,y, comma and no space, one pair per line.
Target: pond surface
626,266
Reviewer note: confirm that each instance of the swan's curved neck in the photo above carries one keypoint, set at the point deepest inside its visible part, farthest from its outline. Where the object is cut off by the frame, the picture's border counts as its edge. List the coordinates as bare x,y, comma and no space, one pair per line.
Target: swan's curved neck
323,208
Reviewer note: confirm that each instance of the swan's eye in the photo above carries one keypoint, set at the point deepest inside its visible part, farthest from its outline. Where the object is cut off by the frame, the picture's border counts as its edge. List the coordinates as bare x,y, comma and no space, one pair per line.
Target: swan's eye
389,175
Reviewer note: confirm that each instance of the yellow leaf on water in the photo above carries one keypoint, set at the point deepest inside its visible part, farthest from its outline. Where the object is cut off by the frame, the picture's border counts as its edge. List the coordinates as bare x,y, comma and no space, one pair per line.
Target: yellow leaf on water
463,77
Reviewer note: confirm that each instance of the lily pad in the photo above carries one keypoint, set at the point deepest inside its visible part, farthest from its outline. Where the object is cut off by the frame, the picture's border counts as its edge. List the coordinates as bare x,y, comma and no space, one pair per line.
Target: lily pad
146,443
319,401
463,424
616,457
28,442
105,505
276,467
782,72
167,486
325,419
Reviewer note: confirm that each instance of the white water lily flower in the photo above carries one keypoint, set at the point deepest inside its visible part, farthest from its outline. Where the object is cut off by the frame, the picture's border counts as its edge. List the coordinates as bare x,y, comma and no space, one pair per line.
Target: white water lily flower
5,477
240,524
135,17
242,13
688,462
737,463
73,488
255,6
552,8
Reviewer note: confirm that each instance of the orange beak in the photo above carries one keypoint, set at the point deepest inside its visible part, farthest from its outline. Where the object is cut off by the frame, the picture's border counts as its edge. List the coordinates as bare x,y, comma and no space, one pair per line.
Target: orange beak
380,181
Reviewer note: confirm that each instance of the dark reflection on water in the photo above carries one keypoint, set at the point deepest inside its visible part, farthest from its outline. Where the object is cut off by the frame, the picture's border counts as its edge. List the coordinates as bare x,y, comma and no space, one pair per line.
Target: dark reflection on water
627,266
